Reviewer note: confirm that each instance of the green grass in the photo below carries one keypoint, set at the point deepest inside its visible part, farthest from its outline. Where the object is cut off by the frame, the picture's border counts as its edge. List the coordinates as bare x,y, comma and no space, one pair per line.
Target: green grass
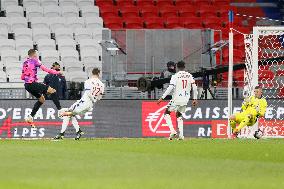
142,163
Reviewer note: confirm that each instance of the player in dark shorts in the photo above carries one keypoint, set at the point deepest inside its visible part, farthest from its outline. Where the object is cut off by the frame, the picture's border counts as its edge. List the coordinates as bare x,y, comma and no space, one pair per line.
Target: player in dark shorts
29,75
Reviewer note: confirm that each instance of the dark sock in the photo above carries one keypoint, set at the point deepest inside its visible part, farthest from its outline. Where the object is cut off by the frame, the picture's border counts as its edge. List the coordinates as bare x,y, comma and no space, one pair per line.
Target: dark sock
55,99
35,108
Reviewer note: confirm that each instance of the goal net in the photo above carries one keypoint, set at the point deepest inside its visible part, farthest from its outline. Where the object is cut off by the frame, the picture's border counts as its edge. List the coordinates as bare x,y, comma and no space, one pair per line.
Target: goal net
264,63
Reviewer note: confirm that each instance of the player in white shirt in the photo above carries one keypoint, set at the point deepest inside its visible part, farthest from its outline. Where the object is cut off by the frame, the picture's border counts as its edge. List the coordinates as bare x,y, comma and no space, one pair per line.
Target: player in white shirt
94,90
180,86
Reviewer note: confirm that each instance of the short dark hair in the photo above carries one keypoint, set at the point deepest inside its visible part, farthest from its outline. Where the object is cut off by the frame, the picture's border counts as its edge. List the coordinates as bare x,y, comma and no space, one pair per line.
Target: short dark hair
181,65
55,64
257,87
31,52
96,71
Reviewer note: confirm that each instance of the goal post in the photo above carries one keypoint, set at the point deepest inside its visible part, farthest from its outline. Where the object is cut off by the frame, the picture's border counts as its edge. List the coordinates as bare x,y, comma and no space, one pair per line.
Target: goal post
264,67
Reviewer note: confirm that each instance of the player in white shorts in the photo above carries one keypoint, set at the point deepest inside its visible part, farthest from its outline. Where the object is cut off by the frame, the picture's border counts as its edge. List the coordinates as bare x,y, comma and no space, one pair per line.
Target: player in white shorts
94,89
180,86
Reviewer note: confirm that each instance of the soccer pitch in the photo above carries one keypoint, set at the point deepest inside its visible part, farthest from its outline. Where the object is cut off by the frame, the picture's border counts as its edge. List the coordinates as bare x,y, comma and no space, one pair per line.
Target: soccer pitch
142,163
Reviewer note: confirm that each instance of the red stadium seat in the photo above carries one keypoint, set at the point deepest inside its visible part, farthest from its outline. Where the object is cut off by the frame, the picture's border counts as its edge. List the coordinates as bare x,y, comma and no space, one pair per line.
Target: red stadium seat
121,3
149,11
133,22
187,11
223,11
144,3
202,2
113,22
168,11
207,11
238,56
281,93
154,22
265,75
162,3
181,3
109,11
280,73
213,23
192,22
174,22
129,11
221,2
103,3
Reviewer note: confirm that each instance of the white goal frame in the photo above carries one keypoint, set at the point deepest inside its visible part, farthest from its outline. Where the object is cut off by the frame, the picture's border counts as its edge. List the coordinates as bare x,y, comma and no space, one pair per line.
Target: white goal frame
257,31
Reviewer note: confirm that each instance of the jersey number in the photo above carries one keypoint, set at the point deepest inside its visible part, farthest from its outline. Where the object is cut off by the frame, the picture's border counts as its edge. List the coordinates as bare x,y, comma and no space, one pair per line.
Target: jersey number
184,84
96,91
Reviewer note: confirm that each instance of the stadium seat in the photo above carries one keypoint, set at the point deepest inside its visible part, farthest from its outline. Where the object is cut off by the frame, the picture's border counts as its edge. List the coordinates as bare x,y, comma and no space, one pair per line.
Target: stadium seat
129,11
89,44
8,56
174,22
66,44
181,3
70,11
7,44
82,33
78,76
56,22
92,11
89,66
207,11
133,22
49,56
202,2
162,3
23,33
97,34
75,22
192,22
39,22
24,45
7,3
264,75
168,11
73,66
52,11
123,3
221,2
154,22
45,3
3,76
149,11
14,11
144,3
89,56
4,23
18,22
34,11
41,33
69,56
187,11
109,11
23,55
13,73
94,22
3,33
28,3
113,23
213,23
67,3
46,44
103,3
63,33
83,3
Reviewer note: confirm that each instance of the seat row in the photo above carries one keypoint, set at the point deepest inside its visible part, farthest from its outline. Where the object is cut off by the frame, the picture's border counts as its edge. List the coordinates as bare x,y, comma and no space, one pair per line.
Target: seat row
52,23
52,11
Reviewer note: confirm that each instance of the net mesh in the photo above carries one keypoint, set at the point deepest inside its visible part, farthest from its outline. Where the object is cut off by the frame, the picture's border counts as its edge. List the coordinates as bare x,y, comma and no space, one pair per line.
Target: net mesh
270,77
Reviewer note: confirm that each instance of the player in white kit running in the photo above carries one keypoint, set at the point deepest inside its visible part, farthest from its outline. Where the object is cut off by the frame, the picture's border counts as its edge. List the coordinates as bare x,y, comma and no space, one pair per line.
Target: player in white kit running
180,86
94,90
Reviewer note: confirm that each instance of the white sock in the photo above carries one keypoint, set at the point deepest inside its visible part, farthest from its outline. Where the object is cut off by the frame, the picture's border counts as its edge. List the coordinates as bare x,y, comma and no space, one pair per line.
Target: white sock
65,123
75,124
168,119
180,126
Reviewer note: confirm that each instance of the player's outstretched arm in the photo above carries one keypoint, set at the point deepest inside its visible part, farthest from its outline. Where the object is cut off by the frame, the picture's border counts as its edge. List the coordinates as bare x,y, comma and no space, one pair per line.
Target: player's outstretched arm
48,70
169,89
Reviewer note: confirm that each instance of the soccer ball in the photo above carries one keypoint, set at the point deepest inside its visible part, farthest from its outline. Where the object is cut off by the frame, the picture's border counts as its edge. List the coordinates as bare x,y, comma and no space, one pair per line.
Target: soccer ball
258,134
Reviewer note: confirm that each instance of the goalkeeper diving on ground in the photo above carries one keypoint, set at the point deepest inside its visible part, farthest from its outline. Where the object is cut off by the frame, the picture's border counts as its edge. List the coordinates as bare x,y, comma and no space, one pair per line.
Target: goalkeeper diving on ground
93,91
253,108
